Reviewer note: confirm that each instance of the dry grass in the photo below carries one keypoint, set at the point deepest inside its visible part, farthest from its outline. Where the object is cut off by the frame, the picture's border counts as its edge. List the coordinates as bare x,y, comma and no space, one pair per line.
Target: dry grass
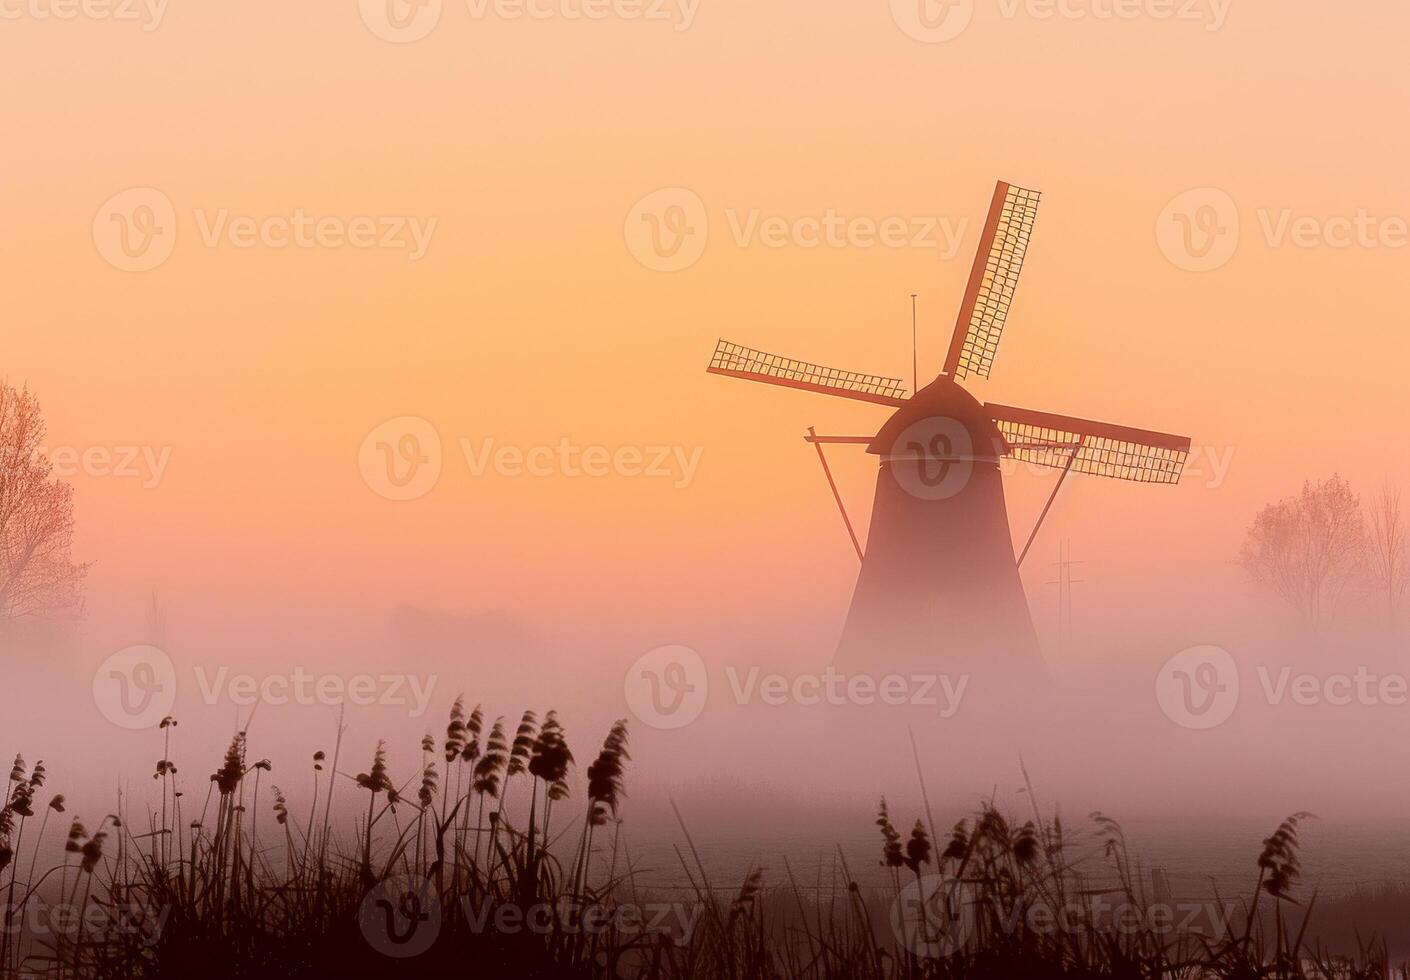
242,886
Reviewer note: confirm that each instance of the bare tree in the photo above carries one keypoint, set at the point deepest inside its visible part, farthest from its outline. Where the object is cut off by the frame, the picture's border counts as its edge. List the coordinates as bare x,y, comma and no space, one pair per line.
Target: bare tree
1309,548
1389,540
38,576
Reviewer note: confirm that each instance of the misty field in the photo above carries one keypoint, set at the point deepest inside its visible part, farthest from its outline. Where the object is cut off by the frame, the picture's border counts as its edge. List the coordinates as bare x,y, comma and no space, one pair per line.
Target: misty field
504,855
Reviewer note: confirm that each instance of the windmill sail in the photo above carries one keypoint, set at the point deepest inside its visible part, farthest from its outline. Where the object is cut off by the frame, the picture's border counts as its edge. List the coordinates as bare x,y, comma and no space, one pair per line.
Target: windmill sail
1100,448
992,281
735,361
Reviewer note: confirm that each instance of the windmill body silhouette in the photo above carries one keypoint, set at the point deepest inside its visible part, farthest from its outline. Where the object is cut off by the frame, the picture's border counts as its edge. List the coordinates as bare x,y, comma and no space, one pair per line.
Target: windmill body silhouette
939,584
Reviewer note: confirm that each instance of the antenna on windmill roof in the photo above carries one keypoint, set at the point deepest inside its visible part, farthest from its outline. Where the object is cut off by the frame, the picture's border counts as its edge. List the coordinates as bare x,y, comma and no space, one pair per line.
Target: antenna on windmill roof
915,370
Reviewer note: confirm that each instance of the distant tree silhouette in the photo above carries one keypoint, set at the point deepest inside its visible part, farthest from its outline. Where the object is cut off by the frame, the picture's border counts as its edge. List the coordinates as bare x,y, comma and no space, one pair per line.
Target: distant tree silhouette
38,577
1309,548
1389,545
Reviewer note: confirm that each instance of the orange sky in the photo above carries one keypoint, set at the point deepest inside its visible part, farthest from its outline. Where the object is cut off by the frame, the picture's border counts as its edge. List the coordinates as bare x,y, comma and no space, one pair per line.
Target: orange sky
529,321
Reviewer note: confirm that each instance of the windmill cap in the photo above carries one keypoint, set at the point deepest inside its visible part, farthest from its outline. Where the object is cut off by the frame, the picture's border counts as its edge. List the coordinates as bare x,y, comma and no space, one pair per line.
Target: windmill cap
941,410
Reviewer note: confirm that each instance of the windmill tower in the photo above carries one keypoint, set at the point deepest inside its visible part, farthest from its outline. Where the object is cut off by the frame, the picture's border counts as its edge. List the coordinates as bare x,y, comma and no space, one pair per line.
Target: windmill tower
939,582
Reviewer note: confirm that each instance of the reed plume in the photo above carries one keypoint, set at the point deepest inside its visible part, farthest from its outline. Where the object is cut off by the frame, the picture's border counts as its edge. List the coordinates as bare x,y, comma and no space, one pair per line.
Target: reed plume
227,777
605,784
918,848
473,726
892,855
455,731
377,780
487,770
551,756
1279,862
523,749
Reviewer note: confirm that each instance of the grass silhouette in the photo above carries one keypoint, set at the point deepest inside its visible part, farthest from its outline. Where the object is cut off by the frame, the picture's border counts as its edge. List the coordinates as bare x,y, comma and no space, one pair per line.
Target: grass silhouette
434,879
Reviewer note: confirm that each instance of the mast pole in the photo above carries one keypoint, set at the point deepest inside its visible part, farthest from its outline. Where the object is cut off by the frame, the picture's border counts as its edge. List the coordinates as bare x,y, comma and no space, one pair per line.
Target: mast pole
915,371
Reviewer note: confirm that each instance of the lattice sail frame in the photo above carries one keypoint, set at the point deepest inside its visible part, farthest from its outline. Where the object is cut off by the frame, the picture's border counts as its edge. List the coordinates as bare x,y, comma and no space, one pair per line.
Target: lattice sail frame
992,281
746,362
1102,450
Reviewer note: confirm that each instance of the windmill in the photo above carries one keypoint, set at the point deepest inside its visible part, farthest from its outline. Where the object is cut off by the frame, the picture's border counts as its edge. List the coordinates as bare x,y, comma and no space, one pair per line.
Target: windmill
939,577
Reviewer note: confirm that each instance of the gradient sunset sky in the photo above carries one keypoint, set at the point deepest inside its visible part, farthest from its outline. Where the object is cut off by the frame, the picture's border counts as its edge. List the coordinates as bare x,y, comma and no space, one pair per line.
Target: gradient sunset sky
530,320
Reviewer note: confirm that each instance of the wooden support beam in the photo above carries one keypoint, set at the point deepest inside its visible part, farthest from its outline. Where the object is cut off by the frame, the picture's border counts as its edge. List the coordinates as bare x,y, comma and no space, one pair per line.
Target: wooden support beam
1071,458
817,442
